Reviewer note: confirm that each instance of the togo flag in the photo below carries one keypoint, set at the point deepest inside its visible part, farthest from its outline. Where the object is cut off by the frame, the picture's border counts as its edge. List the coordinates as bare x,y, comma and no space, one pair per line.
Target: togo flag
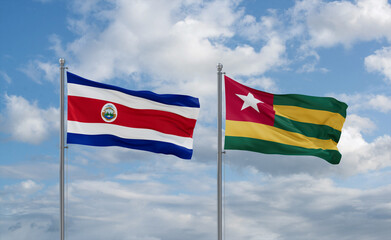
105,115
289,124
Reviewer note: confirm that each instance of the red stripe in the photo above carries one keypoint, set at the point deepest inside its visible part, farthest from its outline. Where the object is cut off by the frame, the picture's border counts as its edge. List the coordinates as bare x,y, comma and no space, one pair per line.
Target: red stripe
88,110
234,104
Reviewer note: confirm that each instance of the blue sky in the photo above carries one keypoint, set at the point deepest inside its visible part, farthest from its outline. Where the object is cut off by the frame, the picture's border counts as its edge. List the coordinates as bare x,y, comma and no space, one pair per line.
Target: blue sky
322,48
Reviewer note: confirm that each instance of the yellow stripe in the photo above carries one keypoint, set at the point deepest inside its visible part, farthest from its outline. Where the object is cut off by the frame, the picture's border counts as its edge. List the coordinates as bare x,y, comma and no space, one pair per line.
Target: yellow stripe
270,133
334,120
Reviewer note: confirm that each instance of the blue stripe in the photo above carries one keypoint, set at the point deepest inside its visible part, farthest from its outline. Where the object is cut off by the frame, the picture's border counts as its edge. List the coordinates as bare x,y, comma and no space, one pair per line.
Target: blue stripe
146,145
170,99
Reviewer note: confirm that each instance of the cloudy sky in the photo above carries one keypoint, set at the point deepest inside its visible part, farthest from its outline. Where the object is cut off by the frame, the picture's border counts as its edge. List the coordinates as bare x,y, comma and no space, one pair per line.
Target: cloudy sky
314,47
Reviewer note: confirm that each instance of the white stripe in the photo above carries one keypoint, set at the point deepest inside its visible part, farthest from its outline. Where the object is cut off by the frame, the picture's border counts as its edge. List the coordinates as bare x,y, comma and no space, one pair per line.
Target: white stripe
128,100
127,132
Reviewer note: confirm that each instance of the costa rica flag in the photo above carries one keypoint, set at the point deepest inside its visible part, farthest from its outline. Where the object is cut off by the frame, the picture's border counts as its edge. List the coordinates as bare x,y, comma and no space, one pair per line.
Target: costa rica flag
105,115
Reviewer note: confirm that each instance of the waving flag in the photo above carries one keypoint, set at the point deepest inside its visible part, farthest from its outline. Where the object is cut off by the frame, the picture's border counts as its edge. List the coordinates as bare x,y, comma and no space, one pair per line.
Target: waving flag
105,115
288,124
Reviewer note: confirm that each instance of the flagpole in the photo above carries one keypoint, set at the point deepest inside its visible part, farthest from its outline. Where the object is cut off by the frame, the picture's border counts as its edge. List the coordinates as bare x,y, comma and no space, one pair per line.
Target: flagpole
219,153
62,147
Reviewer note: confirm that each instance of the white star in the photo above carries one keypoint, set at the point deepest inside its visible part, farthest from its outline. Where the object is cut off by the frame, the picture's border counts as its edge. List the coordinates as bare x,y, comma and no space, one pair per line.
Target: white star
249,101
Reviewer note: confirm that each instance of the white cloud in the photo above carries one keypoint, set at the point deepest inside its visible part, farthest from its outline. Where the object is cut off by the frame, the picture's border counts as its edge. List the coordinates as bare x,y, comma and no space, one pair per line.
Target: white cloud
295,206
358,155
33,171
24,188
265,83
301,207
26,122
362,124
264,29
364,102
380,61
5,76
319,23
244,60
135,176
381,103
179,45
344,22
311,67
39,71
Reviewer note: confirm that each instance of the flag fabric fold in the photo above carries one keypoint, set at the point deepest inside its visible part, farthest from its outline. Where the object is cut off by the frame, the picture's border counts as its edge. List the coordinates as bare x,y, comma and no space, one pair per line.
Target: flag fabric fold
289,124
106,115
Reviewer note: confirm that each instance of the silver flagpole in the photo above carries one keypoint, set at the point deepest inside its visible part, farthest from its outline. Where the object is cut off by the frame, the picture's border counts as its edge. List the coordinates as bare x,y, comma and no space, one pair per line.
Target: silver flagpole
62,147
219,153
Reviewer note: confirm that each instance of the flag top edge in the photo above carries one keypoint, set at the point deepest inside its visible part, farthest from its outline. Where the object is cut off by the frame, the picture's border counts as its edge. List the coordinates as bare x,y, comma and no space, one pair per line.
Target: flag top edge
305,101
170,99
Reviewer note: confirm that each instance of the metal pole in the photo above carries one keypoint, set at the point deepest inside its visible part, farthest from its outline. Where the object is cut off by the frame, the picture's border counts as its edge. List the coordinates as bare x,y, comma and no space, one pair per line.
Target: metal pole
219,153
62,147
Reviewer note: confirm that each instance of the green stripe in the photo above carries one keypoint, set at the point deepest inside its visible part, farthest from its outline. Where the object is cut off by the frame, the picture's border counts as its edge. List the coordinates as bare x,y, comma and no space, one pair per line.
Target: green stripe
311,102
262,146
307,129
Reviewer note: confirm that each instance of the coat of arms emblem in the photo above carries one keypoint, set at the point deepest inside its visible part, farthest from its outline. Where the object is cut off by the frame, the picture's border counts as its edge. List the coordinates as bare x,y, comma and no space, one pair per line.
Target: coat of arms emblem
109,112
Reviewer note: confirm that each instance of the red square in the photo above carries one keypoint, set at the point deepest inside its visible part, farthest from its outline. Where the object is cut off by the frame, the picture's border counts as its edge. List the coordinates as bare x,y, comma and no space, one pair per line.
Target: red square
238,110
